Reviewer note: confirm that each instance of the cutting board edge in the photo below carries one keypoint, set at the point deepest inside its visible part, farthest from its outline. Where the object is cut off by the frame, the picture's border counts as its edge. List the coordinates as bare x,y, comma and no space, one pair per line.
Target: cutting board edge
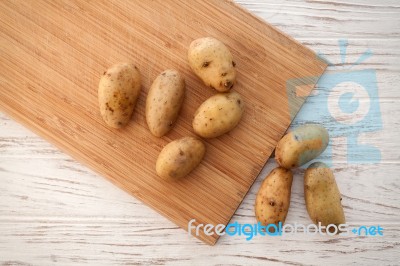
324,64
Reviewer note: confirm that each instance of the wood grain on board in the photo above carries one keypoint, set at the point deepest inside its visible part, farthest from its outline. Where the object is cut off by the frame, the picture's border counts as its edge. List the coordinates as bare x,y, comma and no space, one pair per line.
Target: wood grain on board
53,52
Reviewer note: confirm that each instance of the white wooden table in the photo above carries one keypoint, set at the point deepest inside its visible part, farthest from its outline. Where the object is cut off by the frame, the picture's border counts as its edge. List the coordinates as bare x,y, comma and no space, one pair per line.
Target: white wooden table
53,210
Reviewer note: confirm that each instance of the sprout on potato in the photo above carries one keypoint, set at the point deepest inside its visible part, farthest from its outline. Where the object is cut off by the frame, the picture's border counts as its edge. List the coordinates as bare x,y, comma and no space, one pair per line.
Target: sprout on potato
212,61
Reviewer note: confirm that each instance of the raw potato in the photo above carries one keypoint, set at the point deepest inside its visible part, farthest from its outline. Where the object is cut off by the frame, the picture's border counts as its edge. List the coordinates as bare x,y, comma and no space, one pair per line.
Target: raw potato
212,61
273,197
322,195
218,114
179,158
119,89
164,102
301,145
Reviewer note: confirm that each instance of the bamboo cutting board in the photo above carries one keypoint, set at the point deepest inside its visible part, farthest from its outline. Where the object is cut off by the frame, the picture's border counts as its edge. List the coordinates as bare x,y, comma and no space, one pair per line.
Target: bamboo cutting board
52,54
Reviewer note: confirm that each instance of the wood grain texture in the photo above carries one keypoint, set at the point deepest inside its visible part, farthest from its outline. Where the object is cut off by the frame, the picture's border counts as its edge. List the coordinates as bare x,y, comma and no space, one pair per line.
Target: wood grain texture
52,54
55,211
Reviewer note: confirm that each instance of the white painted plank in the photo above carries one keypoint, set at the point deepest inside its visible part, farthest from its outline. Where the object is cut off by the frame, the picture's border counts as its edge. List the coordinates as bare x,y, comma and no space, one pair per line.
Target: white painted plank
111,243
331,19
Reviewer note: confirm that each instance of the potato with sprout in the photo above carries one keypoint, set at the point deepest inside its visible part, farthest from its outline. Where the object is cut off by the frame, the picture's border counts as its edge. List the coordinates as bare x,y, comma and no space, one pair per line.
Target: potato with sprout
213,63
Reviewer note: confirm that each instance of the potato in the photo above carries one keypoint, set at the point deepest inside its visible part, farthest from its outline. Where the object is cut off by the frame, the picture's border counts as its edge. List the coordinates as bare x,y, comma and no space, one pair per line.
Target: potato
273,197
212,62
301,145
119,89
322,196
218,114
179,157
164,102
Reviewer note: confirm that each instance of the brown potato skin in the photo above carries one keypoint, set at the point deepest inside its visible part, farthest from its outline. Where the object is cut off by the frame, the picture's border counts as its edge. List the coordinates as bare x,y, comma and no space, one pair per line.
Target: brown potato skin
322,195
273,197
213,63
118,91
179,157
164,101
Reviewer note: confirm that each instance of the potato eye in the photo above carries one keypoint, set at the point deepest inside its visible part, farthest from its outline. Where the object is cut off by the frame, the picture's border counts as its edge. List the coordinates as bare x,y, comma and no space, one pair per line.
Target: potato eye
206,64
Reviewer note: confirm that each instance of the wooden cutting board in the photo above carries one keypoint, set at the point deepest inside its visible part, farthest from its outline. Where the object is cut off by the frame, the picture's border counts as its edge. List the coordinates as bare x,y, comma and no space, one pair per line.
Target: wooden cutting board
52,54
